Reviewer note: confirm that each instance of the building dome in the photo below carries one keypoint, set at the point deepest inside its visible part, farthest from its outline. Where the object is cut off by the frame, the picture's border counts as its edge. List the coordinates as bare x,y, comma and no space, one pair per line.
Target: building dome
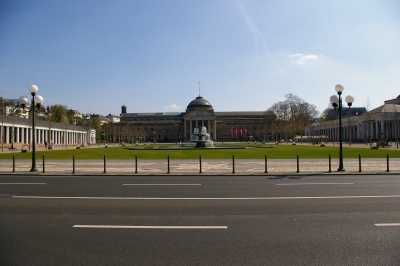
199,102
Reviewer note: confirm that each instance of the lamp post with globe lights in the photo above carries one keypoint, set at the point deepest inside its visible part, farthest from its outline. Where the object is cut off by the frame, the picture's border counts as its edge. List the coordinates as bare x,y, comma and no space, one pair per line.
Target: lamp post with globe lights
36,102
337,104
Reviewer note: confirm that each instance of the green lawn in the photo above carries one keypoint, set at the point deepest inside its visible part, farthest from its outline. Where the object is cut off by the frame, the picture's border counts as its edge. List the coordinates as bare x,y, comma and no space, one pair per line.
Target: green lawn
304,151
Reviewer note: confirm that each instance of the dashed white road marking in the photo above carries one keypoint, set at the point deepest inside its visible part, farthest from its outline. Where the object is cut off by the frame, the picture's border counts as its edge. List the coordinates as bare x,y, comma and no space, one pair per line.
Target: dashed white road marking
147,227
306,184
161,184
23,183
388,224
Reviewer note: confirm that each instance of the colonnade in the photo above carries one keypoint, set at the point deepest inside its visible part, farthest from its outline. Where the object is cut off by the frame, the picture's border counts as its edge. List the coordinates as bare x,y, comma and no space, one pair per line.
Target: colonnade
23,134
356,129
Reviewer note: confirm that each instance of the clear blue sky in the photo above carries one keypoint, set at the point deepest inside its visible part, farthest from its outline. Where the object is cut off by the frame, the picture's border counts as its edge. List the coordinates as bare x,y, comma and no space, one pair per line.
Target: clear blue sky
95,56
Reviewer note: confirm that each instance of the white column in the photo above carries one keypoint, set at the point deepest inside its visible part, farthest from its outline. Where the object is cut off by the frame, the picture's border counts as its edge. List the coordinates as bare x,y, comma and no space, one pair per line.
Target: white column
215,130
7,134
184,129
16,132
364,131
370,129
22,137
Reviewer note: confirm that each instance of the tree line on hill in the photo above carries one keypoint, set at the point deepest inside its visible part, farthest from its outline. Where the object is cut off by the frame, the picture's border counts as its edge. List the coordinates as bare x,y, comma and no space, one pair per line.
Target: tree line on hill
53,114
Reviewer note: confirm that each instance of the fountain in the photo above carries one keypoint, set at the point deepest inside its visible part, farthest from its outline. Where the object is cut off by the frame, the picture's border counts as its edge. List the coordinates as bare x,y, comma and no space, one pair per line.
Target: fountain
202,140
201,137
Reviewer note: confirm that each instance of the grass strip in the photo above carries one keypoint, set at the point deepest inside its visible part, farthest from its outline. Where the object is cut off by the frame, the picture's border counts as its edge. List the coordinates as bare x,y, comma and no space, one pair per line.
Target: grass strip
304,151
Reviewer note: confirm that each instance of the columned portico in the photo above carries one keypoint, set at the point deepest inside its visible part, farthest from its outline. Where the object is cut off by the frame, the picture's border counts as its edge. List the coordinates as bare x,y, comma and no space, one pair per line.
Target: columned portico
18,130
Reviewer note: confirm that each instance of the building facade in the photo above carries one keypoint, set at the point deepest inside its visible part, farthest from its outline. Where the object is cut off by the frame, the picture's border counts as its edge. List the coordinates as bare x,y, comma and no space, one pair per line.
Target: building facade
17,130
381,123
179,126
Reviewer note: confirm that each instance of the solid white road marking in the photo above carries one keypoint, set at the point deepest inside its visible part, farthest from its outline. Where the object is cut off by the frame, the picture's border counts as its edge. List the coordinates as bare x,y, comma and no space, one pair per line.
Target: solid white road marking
23,184
304,184
148,227
254,198
388,224
162,184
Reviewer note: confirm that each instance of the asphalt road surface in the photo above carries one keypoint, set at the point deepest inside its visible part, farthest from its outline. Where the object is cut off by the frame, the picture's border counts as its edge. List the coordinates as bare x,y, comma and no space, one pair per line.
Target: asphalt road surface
200,220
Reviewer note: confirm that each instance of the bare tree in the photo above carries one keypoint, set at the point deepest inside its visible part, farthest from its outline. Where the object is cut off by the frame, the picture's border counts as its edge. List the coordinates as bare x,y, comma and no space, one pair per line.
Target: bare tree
368,115
292,115
396,124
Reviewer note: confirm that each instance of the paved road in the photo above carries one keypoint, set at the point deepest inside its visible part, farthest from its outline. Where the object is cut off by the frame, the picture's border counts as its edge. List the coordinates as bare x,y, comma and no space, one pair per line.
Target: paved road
200,220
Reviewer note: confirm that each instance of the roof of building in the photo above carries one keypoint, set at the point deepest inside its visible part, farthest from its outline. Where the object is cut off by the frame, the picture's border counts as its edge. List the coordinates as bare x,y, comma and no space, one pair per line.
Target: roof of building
153,114
40,123
387,108
199,102
393,101
333,114
241,113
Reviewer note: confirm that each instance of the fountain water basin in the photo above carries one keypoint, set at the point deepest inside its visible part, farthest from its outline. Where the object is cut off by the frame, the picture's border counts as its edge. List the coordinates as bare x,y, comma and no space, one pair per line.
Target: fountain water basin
199,139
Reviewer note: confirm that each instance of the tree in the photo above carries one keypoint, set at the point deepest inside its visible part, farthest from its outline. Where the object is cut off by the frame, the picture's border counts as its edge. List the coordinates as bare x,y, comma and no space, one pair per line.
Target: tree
58,114
368,120
325,113
11,107
292,115
396,124
94,123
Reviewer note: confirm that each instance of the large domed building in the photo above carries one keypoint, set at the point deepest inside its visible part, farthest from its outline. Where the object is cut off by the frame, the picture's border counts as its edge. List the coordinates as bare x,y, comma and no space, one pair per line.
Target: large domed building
179,126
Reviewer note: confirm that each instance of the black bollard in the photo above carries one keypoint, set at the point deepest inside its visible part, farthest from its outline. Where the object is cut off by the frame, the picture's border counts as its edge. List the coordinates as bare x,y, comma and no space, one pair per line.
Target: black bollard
359,163
104,163
233,164
73,163
44,164
330,164
387,162
298,164
200,164
136,164
168,165
13,160
266,164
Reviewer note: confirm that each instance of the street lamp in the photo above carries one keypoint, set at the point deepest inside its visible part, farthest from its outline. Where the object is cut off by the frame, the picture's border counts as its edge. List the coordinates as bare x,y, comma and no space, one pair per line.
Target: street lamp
337,104
37,101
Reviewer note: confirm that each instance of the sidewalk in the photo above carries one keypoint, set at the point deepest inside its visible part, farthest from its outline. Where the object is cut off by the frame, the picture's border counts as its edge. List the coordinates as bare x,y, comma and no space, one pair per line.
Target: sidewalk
205,167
